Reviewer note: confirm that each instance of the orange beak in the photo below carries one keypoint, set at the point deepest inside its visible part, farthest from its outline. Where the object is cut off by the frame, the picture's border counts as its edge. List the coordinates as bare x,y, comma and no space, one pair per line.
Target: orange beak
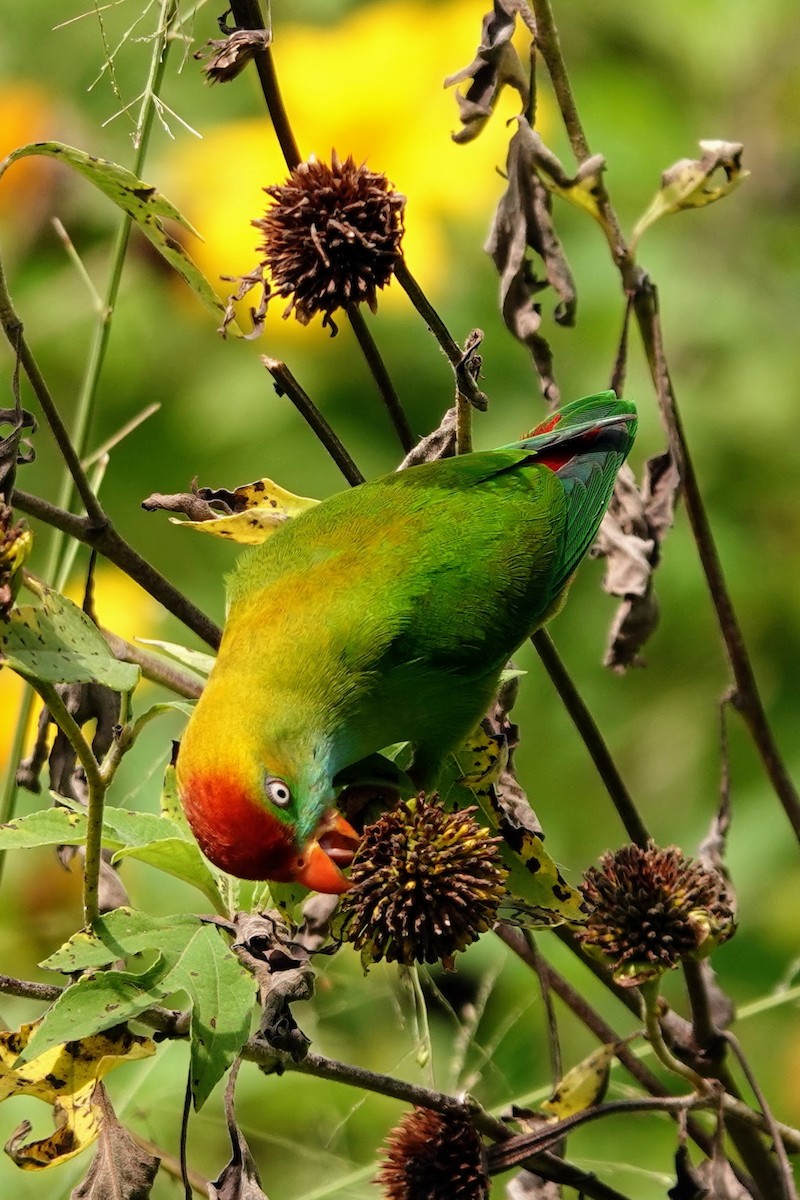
331,847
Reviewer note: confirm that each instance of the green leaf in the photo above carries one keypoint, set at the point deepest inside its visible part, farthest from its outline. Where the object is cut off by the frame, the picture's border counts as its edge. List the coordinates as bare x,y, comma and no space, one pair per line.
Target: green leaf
194,659
58,643
143,203
48,827
159,841
193,958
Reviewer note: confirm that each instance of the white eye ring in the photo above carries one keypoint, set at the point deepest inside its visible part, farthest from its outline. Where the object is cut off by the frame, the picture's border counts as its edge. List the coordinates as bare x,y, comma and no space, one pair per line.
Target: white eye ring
278,792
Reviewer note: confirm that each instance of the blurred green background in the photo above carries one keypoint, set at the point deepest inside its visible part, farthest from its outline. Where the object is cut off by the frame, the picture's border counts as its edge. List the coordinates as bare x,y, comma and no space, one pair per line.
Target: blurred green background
650,80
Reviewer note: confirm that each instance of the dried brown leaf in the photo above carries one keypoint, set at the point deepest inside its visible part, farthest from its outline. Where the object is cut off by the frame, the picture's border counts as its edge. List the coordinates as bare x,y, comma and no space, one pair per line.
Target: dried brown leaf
283,974
120,1170
496,64
439,444
722,1183
689,1184
14,450
227,57
239,1180
630,539
522,223
192,504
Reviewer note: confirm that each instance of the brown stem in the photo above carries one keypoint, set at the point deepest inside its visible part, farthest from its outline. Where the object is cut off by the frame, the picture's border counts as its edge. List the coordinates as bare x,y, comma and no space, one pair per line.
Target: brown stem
154,668
747,698
381,376
788,1190
592,737
286,384
247,15
439,330
117,550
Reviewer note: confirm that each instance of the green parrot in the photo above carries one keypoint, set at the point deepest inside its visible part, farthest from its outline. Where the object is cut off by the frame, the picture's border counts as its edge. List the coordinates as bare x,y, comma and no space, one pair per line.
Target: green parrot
385,614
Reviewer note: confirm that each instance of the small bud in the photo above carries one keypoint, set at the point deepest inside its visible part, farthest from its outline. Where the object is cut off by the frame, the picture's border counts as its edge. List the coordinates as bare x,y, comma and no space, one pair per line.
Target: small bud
650,908
434,1156
424,884
332,237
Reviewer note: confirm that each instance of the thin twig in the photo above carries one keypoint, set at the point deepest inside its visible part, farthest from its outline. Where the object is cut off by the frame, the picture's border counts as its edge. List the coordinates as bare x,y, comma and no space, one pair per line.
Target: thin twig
381,376
114,547
172,1165
286,384
789,1191
592,738
542,969
247,15
154,667
438,328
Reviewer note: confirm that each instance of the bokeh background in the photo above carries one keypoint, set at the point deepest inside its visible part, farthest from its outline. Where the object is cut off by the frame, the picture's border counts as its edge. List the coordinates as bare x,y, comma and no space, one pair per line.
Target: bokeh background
366,78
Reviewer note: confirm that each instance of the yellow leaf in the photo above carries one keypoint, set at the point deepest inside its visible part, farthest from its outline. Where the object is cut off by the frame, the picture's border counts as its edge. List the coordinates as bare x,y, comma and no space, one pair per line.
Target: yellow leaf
688,183
539,890
261,507
65,1077
584,1085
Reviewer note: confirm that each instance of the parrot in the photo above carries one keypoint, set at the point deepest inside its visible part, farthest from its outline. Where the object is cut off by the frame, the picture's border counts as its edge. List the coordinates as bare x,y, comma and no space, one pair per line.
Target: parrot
384,614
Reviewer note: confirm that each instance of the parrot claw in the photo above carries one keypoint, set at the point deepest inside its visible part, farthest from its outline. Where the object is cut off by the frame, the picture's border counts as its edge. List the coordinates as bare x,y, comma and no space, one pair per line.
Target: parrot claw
330,849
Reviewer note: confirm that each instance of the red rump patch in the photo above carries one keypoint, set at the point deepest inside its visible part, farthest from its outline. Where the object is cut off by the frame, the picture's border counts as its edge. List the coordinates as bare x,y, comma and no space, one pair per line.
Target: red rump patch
235,833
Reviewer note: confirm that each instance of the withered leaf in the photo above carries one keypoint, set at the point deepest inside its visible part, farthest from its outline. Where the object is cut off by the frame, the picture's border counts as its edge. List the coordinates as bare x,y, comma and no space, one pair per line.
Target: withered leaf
283,974
239,1180
630,539
690,183
722,1183
121,1169
439,444
15,546
522,222
14,450
227,57
191,504
496,64
688,1182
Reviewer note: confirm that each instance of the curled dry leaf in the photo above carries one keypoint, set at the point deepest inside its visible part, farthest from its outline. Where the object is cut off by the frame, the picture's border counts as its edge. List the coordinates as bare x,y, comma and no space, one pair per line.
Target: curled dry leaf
66,1077
249,513
14,451
239,1179
688,1184
439,444
283,973
694,183
227,57
521,223
120,1168
630,539
496,64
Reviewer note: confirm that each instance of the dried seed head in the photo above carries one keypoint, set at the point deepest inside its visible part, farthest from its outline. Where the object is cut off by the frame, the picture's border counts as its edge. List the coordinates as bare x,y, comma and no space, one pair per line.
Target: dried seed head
433,1156
424,885
651,908
332,237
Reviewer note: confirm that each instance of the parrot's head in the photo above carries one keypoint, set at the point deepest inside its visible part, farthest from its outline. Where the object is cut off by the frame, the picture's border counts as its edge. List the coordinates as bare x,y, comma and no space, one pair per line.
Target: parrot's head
263,809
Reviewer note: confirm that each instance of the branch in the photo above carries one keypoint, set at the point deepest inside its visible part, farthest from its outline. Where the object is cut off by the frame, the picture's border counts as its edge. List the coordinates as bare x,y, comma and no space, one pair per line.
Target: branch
591,737
114,547
381,377
286,384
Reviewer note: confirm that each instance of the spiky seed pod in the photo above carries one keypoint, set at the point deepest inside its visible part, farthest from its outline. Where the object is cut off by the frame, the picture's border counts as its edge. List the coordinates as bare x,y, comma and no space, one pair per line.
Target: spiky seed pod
650,908
424,884
434,1156
332,237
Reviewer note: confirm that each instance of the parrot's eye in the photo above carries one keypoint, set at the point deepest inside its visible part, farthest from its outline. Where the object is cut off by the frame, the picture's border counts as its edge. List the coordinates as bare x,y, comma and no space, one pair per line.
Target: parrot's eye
278,792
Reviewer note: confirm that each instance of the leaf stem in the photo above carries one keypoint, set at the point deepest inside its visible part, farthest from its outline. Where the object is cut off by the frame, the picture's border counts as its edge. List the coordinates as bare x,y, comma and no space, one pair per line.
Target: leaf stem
96,785
109,543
